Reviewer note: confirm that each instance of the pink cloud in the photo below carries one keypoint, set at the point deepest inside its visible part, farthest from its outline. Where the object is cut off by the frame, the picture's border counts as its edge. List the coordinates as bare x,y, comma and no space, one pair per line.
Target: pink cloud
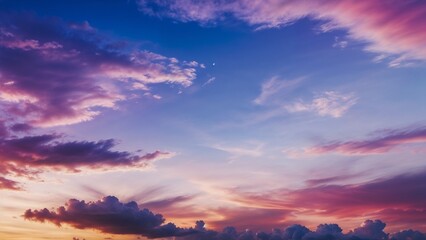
387,141
399,200
392,27
9,184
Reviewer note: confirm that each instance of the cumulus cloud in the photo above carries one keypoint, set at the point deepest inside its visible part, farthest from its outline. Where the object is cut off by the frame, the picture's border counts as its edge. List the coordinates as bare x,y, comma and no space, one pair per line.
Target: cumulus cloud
371,230
66,73
394,28
408,235
109,215
384,142
329,103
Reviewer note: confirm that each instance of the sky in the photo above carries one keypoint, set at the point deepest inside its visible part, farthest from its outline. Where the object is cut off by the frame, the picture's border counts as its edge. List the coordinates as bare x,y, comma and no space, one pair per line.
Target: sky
213,119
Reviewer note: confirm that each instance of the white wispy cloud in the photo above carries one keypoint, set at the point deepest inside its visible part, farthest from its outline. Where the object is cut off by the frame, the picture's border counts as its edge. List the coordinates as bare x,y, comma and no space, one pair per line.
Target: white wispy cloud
329,103
274,86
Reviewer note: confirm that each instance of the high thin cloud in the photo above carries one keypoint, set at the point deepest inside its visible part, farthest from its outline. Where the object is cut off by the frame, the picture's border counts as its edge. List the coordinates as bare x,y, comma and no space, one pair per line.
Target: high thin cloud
273,87
109,215
329,103
393,28
385,142
54,73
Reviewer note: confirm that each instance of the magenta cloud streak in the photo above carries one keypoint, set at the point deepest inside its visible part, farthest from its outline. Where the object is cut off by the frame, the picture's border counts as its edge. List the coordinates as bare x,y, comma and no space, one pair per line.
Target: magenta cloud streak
393,28
387,141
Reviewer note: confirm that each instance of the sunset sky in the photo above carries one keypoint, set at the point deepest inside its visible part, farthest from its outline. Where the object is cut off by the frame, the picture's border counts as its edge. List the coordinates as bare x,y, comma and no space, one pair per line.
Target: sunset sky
212,119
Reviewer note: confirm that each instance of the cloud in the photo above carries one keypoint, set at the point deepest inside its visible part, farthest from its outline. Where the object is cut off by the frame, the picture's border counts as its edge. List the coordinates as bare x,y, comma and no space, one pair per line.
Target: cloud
250,218
371,230
28,156
274,92
330,103
408,235
273,87
394,28
108,215
338,43
399,200
385,142
8,184
49,151
250,149
67,73
209,81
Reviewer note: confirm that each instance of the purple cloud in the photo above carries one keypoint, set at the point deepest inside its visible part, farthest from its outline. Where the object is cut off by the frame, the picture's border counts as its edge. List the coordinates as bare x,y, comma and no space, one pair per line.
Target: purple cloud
49,151
109,215
31,155
387,141
54,73
408,235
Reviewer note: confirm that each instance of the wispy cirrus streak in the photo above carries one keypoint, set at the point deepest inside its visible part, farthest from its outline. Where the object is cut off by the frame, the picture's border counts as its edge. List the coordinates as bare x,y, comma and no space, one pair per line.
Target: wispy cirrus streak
393,29
385,142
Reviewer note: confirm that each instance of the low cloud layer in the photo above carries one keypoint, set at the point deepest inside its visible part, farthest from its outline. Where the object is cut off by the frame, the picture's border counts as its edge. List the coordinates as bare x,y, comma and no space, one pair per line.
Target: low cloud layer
393,29
109,215
399,200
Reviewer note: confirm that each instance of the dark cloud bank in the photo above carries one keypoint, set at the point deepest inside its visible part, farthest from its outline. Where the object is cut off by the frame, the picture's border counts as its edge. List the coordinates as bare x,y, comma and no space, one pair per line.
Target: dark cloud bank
109,215
30,155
